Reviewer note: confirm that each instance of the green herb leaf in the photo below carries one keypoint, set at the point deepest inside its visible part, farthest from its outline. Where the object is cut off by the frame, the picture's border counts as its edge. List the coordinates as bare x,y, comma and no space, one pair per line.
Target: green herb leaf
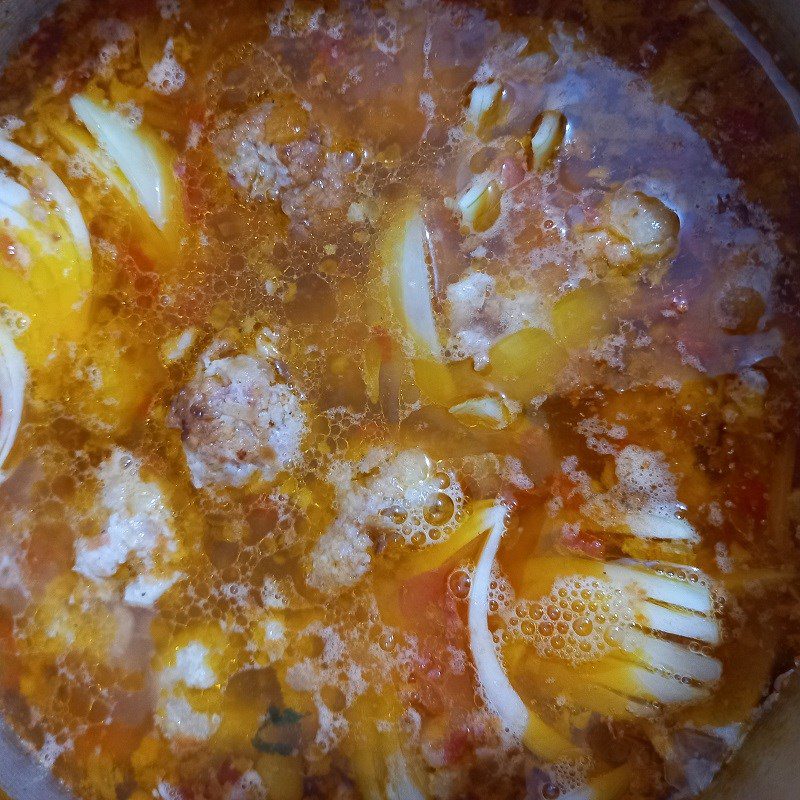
279,733
287,716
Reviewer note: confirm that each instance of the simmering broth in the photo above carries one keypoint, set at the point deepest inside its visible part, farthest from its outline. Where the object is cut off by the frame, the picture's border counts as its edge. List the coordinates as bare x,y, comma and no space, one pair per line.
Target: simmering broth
398,400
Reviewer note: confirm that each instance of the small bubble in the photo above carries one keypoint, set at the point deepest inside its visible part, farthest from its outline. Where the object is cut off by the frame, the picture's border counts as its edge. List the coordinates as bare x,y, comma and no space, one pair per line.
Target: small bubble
442,480
582,626
396,514
459,583
440,511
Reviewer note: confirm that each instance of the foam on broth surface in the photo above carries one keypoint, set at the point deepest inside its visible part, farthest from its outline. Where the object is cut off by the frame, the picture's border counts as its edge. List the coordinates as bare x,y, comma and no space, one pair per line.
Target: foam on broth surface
367,292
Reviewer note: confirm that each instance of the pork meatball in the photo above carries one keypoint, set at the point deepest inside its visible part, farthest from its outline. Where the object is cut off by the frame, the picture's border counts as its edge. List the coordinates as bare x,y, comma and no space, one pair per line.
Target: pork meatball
308,176
636,232
238,420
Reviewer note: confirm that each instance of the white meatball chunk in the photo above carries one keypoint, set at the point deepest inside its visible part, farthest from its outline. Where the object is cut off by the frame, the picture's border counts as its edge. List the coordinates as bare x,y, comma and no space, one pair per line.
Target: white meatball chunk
309,177
635,232
238,420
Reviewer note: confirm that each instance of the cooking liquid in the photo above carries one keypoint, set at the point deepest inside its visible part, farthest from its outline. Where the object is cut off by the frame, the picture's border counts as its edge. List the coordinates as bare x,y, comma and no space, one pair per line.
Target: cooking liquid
666,388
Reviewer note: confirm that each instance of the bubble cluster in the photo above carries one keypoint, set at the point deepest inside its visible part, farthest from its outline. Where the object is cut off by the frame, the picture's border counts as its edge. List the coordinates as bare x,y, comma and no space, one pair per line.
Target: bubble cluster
580,620
435,521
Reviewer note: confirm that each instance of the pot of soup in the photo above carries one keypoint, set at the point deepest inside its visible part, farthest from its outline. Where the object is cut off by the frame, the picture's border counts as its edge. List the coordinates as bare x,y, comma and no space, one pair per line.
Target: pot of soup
398,400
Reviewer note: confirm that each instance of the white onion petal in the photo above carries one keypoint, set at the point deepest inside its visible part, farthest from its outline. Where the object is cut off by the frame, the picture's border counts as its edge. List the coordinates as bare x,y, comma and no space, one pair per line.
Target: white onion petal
67,208
501,697
547,137
646,525
399,784
661,588
488,411
13,376
136,158
410,282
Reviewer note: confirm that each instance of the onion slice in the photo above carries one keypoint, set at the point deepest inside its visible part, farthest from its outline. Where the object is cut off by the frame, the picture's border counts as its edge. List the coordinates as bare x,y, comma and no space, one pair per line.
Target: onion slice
13,375
136,155
477,519
490,411
399,783
547,138
486,106
646,525
501,697
68,209
410,286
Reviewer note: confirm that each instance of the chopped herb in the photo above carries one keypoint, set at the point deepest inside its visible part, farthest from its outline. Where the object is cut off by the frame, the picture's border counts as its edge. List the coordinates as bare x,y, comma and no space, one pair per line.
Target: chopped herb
287,716
279,733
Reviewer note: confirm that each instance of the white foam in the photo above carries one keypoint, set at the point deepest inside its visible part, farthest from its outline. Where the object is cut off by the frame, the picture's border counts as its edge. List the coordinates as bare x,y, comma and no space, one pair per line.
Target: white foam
178,720
145,590
480,315
387,491
167,76
645,474
191,668
138,528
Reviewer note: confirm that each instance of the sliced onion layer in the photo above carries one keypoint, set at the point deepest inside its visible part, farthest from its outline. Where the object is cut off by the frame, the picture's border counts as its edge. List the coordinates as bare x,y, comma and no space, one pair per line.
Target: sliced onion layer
486,107
406,253
655,656
46,277
501,697
27,162
647,525
140,157
13,375
491,411
547,137
478,518
399,783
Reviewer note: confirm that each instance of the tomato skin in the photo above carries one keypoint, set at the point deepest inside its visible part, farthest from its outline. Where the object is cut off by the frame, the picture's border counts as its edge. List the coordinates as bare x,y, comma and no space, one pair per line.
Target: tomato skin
567,491
227,773
424,597
582,543
457,744
435,616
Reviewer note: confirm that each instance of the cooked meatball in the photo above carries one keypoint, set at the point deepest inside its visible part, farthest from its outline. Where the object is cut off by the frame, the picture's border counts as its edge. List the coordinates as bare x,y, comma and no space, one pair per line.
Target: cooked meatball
635,232
237,420
307,175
